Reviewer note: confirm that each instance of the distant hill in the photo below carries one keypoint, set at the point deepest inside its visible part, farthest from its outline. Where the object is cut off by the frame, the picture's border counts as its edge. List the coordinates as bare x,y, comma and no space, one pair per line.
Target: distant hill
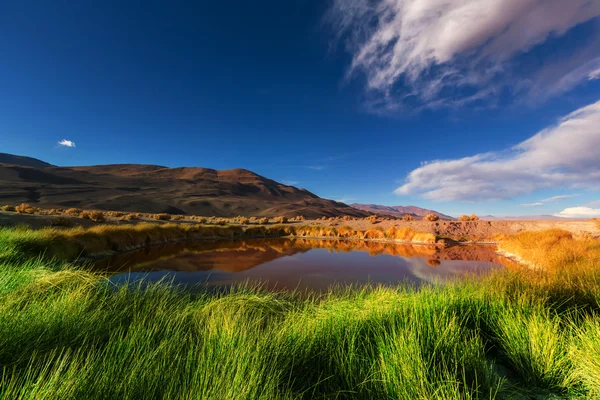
157,189
398,211
22,161
525,218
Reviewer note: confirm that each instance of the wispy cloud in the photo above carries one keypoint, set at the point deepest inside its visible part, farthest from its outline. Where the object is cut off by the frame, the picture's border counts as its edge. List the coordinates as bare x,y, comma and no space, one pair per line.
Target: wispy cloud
561,156
440,53
290,183
550,200
66,143
579,212
316,167
345,200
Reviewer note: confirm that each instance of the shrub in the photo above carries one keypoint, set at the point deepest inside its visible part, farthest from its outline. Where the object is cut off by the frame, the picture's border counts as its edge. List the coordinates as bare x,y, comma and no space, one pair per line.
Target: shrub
408,217
253,220
221,221
133,217
115,214
472,217
201,220
372,218
162,217
374,233
281,220
263,221
7,208
96,216
243,221
26,209
73,211
177,217
431,217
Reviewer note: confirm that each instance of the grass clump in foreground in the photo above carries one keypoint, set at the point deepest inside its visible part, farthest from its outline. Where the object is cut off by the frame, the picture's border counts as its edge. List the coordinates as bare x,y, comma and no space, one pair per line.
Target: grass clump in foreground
66,333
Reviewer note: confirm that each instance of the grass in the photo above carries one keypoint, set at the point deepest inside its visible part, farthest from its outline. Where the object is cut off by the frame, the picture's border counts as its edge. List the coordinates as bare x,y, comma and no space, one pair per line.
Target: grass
66,333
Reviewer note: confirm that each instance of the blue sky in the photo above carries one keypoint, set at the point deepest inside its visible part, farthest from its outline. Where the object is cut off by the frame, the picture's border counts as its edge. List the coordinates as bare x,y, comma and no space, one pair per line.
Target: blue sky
485,106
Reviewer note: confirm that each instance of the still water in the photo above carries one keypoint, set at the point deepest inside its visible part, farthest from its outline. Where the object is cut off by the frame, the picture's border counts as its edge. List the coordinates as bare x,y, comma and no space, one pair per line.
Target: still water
302,264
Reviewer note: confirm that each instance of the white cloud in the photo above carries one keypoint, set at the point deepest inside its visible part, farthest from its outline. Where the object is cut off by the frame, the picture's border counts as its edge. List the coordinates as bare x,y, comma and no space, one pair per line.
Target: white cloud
579,212
562,156
550,200
290,183
557,198
452,52
66,143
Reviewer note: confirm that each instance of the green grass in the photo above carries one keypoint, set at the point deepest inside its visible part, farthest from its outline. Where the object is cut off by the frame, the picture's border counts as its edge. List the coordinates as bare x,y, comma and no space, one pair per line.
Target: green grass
66,333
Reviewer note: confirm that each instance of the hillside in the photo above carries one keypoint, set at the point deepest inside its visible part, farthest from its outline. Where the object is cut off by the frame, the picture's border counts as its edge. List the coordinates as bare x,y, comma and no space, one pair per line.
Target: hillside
22,161
398,211
156,189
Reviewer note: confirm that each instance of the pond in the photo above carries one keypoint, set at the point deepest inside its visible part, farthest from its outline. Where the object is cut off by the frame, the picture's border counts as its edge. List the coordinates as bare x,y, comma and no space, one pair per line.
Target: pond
302,264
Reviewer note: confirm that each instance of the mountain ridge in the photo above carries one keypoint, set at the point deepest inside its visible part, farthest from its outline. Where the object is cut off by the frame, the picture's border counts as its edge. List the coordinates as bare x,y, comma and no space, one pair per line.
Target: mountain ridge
399,211
157,189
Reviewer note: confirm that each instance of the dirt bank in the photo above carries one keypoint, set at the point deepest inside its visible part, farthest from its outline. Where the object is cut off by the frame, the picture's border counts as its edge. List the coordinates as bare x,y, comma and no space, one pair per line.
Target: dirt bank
480,231
472,231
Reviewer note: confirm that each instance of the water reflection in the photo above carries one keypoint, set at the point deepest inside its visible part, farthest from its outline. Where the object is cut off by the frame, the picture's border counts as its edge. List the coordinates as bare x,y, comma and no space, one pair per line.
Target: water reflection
300,263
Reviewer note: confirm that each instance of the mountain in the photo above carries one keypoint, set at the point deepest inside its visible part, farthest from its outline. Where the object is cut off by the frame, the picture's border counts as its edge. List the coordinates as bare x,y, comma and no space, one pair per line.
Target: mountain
526,218
22,161
398,211
158,189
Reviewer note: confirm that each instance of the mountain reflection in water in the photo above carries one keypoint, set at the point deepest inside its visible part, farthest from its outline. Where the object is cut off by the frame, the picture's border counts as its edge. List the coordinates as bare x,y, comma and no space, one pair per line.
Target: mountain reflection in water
312,264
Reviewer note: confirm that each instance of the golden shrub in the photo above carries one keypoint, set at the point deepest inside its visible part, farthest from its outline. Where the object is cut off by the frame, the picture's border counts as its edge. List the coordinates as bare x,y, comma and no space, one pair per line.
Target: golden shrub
408,217
243,221
263,221
93,215
73,211
26,209
431,217
7,208
281,220
162,217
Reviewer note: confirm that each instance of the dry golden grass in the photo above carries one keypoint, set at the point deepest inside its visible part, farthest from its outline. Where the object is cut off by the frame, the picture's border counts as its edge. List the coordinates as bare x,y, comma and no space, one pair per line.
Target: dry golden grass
408,217
431,217
7,208
554,249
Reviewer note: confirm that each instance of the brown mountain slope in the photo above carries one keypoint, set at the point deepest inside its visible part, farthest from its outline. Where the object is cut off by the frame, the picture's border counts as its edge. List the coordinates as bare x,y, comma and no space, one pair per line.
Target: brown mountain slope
22,161
398,211
153,188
